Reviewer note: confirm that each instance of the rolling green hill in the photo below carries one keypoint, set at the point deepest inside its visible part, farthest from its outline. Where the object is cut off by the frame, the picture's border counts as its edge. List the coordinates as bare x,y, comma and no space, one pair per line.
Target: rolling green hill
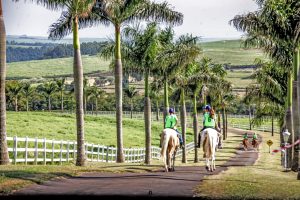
53,67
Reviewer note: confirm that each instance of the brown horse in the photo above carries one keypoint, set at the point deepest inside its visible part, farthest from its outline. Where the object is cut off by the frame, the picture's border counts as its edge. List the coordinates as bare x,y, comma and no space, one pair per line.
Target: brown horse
246,144
255,144
170,143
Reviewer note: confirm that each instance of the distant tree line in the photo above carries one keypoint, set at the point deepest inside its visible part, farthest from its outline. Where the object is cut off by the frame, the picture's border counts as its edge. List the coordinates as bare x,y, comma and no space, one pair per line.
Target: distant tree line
38,51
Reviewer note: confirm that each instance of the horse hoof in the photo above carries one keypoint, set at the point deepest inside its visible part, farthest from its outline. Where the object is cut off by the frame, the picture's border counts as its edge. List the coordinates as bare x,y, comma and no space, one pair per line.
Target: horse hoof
207,168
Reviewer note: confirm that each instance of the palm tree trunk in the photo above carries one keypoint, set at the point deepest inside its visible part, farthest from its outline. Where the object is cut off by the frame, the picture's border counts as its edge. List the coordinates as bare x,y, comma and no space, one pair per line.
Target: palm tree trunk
147,114
78,79
62,101
250,124
96,105
16,104
49,103
296,122
220,145
27,107
195,127
166,98
84,102
131,109
157,110
289,120
224,123
297,147
183,124
118,92
272,124
4,158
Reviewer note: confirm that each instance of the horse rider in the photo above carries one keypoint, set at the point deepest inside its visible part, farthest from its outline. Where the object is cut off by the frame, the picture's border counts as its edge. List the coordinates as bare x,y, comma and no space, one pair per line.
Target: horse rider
171,122
245,140
209,121
254,139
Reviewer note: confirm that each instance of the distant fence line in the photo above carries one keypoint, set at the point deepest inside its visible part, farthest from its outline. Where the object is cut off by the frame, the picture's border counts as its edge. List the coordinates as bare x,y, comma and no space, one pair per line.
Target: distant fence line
140,115
42,151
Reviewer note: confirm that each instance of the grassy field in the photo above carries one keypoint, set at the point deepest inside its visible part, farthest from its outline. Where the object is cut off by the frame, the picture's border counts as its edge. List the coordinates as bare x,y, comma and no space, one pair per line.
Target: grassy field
231,52
264,180
53,67
98,129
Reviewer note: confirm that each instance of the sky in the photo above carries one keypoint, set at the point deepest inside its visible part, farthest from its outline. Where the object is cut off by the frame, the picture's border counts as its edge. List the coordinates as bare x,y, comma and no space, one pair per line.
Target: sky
204,18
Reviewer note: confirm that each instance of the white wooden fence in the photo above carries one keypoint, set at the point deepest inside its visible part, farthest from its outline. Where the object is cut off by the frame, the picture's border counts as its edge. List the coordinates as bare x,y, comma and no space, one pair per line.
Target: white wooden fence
42,151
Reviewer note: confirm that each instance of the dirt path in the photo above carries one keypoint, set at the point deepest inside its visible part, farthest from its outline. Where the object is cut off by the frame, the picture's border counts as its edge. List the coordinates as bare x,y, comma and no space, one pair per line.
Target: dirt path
156,184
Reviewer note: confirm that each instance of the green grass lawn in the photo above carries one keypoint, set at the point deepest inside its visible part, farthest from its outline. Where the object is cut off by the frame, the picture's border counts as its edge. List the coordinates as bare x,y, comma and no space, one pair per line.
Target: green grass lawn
98,129
53,67
264,180
231,52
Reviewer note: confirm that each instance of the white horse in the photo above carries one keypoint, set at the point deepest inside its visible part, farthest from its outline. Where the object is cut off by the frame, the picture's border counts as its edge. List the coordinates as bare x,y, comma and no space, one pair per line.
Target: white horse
170,143
210,142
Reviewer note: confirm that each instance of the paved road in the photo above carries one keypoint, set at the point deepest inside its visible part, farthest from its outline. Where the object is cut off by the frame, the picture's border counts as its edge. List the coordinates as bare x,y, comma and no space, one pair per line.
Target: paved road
156,184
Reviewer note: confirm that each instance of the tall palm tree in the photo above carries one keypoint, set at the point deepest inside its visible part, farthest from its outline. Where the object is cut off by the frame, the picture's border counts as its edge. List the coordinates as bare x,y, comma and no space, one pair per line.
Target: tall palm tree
119,12
14,90
131,92
61,88
77,15
96,93
4,158
48,89
28,90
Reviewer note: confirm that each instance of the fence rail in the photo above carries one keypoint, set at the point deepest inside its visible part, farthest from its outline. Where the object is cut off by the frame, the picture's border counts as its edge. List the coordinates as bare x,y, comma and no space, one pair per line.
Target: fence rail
42,151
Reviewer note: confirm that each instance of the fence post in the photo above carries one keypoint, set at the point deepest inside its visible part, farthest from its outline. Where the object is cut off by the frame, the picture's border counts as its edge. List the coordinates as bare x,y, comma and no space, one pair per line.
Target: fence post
102,153
44,151
26,150
68,151
92,151
98,153
52,157
107,148
36,151
60,156
74,151
15,149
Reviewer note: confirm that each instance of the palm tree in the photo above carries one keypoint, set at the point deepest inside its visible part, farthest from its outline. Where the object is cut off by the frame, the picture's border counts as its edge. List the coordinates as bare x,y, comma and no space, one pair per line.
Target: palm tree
96,94
48,89
131,92
76,16
4,158
61,88
119,12
27,92
14,89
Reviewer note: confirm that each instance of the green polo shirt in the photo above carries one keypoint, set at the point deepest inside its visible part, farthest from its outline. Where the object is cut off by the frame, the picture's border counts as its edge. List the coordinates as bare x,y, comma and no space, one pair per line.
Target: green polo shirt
171,121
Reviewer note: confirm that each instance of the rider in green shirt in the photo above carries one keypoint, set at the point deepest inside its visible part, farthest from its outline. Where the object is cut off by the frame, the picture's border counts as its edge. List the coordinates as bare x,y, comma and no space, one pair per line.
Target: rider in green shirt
209,121
245,136
171,121
254,136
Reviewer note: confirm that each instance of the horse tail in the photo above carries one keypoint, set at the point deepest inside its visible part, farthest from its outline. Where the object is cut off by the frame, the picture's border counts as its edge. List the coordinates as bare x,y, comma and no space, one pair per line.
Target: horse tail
164,146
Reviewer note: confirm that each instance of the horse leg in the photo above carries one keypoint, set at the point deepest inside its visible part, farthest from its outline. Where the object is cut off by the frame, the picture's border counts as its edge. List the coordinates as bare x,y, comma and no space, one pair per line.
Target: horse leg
173,167
207,164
